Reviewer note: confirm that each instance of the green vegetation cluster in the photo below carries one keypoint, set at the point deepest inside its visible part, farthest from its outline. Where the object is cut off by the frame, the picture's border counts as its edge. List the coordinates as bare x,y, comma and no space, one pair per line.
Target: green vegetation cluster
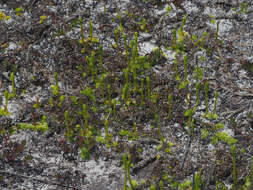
135,90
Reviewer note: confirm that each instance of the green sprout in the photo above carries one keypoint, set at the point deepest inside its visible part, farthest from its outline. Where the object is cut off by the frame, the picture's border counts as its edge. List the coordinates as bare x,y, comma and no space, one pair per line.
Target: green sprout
37,104
104,7
152,187
126,165
125,93
161,184
91,39
125,43
135,133
55,87
91,30
143,24
198,73
120,21
19,11
109,93
200,42
62,98
198,180
69,132
135,50
13,85
3,16
168,9
189,113
40,126
159,128
100,85
181,33
217,30
82,31
212,19
117,35
42,19
6,95
244,7
224,137
91,65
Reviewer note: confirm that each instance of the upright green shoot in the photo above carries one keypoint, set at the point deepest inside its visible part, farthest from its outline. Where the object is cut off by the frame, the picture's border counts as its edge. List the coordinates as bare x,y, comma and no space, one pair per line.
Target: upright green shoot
6,95
13,85
69,132
159,128
91,30
82,31
55,87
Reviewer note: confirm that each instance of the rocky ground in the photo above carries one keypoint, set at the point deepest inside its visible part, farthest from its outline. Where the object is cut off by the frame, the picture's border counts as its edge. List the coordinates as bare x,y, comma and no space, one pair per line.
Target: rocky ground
48,46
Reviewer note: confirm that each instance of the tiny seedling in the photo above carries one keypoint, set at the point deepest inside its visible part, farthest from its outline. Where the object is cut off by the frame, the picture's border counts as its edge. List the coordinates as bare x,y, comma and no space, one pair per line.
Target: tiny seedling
126,158
116,37
6,95
3,16
159,128
13,94
37,103
42,19
19,11
55,87
125,93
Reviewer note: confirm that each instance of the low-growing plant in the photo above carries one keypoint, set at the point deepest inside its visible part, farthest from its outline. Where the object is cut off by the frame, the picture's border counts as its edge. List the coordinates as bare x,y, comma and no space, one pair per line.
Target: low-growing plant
19,11
42,19
55,87
126,158
3,16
